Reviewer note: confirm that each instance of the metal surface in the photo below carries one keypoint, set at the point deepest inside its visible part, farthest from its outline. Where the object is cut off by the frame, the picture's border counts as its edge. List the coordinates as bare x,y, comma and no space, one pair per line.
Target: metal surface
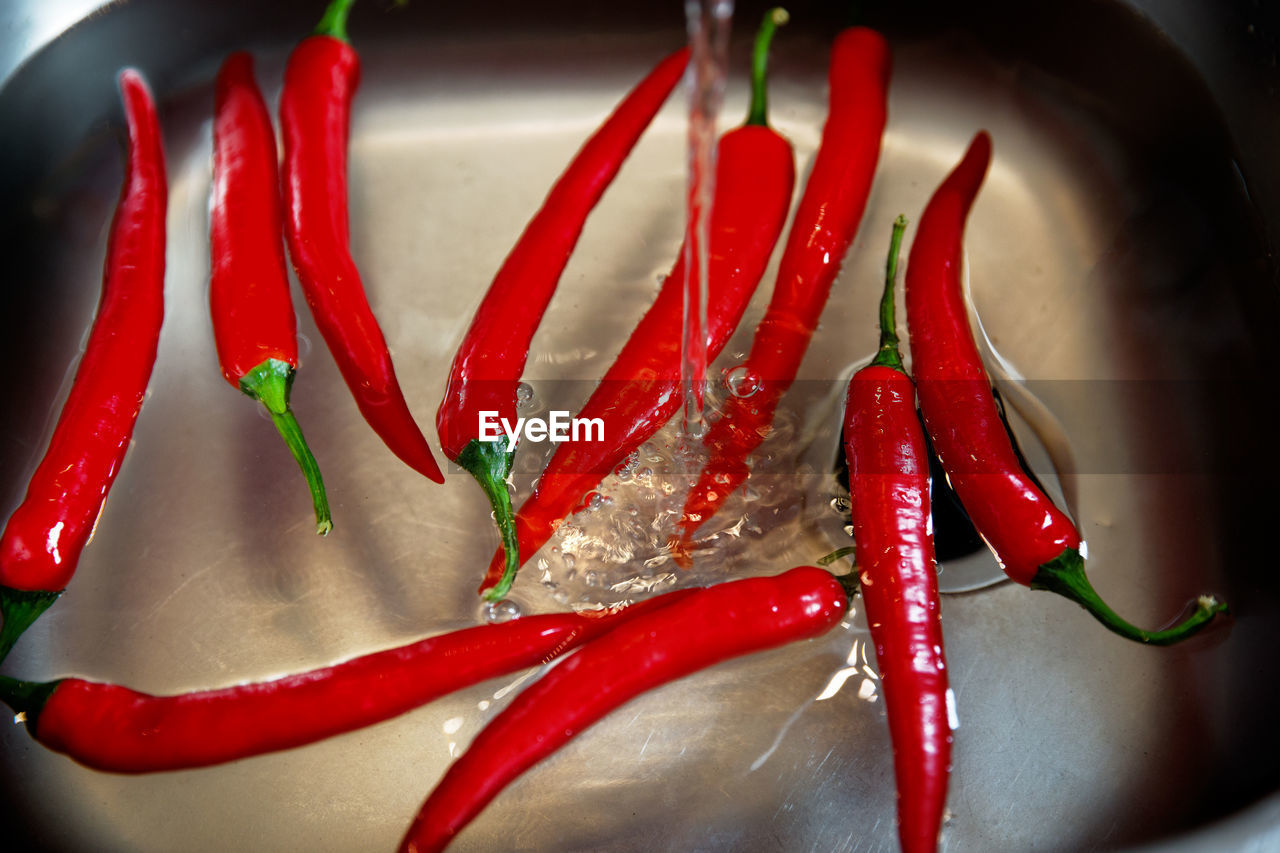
1117,257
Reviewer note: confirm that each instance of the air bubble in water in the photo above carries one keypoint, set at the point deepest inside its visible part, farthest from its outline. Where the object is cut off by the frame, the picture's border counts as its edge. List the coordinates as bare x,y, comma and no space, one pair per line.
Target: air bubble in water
524,395
569,561
497,612
592,579
741,382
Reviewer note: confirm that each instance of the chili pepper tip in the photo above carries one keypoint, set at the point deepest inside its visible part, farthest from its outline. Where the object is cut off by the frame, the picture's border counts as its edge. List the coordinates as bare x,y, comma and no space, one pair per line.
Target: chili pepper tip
1065,575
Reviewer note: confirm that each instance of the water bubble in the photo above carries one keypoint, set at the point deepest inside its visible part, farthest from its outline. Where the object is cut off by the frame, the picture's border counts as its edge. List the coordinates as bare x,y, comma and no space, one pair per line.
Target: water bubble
592,579
595,501
497,612
741,382
524,395
570,561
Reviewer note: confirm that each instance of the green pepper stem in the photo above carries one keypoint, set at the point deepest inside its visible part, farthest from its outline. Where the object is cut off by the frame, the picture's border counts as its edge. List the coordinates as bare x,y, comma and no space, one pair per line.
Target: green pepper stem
1065,575
269,383
334,22
849,583
836,555
889,355
26,697
757,113
490,463
19,608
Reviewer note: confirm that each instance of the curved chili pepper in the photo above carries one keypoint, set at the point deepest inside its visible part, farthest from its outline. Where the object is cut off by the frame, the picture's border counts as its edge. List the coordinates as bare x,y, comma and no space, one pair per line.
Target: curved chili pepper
491,359
253,323
315,111
113,728
44,537
715,624
889,489
755,174
1034,541
825,223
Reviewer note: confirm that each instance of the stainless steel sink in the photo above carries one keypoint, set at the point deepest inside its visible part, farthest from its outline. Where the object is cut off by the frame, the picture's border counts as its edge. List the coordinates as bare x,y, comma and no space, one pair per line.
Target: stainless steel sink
1120,259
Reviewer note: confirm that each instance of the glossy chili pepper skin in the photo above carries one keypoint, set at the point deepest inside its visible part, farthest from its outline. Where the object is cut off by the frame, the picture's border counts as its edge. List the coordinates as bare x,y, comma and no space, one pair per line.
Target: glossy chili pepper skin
755,176
491,359
315,108
892,529
955,392
713,625
253,322
44,537
824,225
113,728
1034,541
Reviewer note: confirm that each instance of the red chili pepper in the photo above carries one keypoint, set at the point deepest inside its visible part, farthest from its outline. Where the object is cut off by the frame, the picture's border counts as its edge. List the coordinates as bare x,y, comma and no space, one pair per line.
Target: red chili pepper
491,359
716,624
889,488
44,537
1034,541
253,322
824,225
113,728
315,110
755,174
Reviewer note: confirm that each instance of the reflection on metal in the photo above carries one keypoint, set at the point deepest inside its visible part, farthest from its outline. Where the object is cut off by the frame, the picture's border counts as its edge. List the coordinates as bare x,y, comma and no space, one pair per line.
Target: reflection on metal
856,664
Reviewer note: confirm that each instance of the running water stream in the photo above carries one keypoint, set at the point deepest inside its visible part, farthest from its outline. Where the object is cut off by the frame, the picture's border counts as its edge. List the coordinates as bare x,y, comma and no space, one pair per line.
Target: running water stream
709,23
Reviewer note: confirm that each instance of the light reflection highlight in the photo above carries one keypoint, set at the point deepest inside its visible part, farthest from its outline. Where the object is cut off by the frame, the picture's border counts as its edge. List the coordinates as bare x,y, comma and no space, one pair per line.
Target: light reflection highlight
856,665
